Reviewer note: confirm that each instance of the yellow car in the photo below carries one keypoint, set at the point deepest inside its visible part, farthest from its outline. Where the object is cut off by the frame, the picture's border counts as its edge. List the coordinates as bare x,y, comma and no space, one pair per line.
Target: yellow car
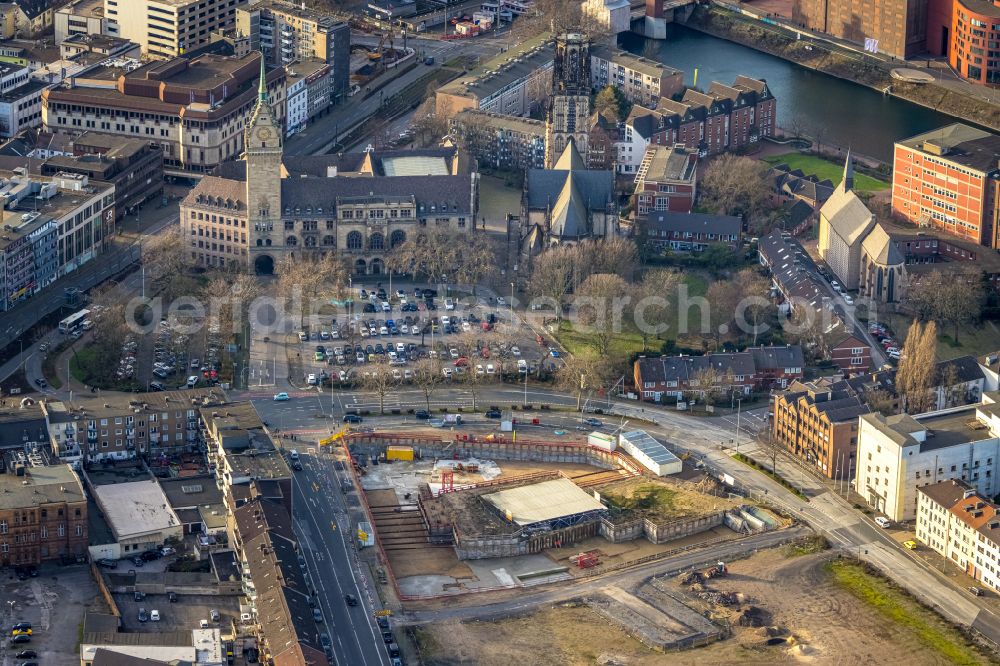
19,632
912,545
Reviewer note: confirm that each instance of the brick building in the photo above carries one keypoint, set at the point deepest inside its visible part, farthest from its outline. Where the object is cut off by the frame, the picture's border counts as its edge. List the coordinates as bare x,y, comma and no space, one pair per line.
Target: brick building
948,178
43,514
667,180
818,423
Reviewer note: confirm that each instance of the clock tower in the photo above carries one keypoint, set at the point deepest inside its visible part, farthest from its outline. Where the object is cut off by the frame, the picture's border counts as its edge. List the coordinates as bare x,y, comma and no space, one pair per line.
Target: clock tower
263,179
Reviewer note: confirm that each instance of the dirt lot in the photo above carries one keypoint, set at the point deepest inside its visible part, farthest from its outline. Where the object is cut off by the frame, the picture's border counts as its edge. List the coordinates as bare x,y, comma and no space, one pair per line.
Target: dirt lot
661,500
829,624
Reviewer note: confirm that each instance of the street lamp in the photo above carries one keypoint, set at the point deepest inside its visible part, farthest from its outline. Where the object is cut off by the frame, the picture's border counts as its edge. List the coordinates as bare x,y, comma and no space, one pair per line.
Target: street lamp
739,404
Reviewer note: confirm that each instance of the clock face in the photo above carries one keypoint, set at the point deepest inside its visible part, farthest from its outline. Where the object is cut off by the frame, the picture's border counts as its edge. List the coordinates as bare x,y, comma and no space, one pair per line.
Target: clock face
264,133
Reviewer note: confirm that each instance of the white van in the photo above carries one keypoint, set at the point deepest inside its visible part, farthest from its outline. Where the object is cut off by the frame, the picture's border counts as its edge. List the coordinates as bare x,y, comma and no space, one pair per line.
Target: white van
293,455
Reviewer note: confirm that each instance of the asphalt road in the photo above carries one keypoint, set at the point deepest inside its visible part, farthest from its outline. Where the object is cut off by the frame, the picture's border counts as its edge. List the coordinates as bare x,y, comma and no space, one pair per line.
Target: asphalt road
324,526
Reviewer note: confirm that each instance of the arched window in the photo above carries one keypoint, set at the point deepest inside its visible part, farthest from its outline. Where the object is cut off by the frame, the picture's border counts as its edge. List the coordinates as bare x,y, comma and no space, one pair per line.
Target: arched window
310,241
329,241
259,242
354,240
267,242
397,238
376,241
291,241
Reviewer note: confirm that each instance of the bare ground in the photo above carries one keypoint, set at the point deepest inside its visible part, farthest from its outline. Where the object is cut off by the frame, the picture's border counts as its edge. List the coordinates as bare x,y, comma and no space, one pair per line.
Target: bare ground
829,626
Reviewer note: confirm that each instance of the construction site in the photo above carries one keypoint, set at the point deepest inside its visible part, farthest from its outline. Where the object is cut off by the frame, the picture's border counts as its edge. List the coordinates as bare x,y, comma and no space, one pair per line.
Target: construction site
453,516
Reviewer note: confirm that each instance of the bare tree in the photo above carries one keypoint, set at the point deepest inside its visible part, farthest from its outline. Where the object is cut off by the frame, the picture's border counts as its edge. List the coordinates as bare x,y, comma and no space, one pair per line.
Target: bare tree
755,291
427,377
722,300
550,276
956,300
583,374
378,378
917,368
653,300
736,185
167,259
600,305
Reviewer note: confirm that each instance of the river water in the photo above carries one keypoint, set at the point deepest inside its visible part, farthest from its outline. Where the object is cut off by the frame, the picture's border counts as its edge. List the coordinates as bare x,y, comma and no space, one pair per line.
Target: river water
846,114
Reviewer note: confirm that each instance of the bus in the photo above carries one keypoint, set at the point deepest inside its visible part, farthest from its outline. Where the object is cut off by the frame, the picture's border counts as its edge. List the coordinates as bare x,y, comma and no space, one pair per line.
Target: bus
73,322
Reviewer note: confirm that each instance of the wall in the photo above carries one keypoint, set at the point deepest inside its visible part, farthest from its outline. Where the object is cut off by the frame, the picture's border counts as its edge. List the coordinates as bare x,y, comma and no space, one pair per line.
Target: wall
664,532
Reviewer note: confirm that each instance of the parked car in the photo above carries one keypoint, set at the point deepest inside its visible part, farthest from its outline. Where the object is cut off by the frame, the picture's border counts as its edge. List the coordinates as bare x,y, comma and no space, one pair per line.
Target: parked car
143,615
593,423
107,563
154,615
26,654
422,414
214,614
151,555
910,545
976,591
20,638
883,522
172,597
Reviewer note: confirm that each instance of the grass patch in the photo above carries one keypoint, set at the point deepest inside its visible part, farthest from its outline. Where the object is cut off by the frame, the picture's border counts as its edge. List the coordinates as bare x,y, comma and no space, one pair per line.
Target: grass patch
806,546
812,165
629,340
84,364
972,340
750,462
644,498
49,364
897,606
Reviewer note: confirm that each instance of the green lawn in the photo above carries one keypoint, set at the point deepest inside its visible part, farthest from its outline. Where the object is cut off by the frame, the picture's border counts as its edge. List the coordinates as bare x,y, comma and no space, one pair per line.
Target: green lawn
823,169
896,606
576,340
972,340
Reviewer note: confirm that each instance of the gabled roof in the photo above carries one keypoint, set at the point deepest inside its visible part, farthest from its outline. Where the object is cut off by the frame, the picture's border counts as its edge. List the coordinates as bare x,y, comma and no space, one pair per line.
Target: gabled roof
946,493
546,185
878,245
707,223
788,356
569,214
570,159
847,215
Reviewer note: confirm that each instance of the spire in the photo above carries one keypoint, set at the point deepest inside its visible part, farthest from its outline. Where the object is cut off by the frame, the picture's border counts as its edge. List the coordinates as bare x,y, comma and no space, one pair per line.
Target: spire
262,88
848,183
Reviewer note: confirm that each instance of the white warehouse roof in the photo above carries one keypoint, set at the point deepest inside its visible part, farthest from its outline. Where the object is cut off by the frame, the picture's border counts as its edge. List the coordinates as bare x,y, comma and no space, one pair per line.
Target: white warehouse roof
650,447
135,508
540,502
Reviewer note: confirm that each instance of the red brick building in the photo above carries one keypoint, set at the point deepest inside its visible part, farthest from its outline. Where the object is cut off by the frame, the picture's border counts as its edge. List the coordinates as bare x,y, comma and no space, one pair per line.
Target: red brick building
966,32
948,178
851,354
724,118
666,181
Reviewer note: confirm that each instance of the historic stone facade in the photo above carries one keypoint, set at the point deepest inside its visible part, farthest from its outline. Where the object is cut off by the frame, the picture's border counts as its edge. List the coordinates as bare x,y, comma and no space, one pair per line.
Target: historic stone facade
569,108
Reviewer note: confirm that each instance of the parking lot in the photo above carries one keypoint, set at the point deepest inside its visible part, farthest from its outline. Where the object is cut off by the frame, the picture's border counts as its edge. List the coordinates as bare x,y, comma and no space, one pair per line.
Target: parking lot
179,359
183,615
466,335
54,604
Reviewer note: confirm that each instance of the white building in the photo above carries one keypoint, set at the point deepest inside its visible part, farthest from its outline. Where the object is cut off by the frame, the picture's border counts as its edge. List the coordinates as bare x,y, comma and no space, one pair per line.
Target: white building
80,17
613,15
297,113
651,453
139,515
964,527
898,454
634,141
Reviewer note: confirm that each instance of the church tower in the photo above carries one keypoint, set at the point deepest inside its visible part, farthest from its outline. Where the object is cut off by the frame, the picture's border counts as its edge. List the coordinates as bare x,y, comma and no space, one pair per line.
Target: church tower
569,107
263,179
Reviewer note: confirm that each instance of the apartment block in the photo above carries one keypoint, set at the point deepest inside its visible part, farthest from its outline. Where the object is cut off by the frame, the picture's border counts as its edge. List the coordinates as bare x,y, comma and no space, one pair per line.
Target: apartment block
641,81
948,179
287,33
308,93
121,428
963,526
168,28
818,423
501,142
901,453
667,180
194,109
896,27
725,118
43,513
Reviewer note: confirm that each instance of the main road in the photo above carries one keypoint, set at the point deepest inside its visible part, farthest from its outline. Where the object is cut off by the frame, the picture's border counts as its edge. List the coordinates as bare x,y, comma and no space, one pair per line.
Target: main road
324,527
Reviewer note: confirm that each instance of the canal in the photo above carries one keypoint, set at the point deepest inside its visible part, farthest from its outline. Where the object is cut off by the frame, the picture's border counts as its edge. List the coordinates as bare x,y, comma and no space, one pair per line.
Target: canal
836,111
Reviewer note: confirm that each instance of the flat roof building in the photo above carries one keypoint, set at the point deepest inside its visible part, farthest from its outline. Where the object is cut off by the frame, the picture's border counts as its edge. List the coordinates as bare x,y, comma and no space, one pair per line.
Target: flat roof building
168,28
139,514
551,503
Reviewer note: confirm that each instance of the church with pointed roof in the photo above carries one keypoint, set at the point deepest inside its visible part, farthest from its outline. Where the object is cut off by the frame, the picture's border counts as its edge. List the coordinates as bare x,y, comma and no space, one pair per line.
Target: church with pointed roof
567,203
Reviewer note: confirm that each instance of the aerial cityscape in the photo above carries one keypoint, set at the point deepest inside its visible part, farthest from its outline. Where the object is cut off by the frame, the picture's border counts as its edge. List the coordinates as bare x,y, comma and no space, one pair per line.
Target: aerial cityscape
492,332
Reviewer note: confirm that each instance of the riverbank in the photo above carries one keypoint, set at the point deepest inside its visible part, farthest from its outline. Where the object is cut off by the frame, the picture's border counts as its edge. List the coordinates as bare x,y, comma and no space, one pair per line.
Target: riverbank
826,58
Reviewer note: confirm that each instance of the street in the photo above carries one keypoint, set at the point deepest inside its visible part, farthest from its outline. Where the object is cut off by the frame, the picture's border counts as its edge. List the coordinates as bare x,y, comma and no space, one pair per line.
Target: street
325,528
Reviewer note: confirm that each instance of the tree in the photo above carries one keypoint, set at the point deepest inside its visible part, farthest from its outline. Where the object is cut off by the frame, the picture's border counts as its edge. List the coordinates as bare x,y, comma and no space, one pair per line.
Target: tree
754,291
736,185
550,276
378,378
710,384
881,401
915,376
600,304
722,301
612,104
315,278
427,126
806,326
427,376
652,308
230,296
166,258
584,373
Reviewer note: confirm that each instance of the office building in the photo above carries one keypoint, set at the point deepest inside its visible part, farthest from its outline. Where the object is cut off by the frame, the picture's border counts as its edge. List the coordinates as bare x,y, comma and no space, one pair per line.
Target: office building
501,142
898,454
80,17
166,29
893,27
948,179
194,109
289,32
43,513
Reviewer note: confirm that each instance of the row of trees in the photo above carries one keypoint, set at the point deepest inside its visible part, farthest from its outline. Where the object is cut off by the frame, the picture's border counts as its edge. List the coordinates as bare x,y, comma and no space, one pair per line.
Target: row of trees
952,300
